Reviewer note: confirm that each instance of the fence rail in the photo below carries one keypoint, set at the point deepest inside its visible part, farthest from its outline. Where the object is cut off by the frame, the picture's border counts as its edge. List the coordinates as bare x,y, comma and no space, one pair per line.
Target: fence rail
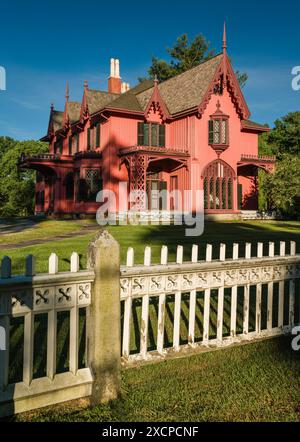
205,292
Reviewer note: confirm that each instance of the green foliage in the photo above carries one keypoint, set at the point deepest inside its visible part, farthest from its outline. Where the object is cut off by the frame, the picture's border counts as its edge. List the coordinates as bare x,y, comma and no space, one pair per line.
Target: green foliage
17,186
285,137
282,190
185,55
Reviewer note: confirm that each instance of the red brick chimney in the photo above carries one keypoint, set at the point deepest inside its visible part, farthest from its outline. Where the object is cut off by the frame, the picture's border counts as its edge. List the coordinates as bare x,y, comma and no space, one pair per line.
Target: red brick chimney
114,81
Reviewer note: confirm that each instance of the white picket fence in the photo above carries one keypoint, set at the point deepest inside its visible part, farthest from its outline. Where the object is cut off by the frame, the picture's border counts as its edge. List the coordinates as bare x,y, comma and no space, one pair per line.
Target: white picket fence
181,283
159,304
47,294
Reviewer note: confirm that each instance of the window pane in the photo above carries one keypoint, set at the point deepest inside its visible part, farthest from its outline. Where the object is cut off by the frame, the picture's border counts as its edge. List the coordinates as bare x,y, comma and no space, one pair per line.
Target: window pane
146,135
154,134
162,135
217,132
224,132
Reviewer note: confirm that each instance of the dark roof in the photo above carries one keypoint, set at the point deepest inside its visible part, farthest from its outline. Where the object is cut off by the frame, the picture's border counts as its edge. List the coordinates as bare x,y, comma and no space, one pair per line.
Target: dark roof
74,111
97,100
186,90
252,124
56,120
182,92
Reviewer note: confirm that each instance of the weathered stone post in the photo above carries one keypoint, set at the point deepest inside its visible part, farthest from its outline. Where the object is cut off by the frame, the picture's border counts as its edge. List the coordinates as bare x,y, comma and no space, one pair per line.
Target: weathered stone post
104,329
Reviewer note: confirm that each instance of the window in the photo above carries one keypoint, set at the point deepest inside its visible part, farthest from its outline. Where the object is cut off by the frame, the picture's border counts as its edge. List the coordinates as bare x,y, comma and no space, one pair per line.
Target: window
73,144
218,132
151,134
218,186
90,186
93,137
69,186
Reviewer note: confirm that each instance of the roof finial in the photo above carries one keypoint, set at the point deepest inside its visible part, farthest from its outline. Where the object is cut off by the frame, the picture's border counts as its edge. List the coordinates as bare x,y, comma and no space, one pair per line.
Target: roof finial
155,80
85,85
52,107
224,39
67,91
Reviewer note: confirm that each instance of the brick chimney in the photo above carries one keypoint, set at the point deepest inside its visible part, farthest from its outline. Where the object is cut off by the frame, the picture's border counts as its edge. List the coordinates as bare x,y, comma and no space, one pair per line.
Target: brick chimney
114,81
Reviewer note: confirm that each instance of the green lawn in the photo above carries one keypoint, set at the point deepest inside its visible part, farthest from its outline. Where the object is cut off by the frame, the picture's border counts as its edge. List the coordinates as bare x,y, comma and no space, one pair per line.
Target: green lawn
156,236
255,382
43,230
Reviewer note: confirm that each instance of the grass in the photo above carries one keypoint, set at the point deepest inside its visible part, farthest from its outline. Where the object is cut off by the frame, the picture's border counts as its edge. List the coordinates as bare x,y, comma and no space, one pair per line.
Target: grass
255,382
156,236
43,230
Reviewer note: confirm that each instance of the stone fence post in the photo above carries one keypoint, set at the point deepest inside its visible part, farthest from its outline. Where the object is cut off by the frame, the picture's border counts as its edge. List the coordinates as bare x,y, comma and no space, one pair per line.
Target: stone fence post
104,328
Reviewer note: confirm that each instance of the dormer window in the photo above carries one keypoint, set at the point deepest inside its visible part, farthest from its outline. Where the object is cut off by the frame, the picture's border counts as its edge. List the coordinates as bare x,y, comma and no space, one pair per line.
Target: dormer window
218,133
151,134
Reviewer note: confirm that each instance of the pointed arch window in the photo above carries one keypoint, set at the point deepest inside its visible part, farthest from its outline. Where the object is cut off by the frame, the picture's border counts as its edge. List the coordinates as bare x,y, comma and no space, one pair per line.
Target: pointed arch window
218,186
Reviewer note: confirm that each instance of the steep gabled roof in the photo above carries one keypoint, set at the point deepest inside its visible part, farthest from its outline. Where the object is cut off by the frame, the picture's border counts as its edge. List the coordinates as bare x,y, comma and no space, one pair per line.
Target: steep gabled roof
97,100
74,111
56,120
184,91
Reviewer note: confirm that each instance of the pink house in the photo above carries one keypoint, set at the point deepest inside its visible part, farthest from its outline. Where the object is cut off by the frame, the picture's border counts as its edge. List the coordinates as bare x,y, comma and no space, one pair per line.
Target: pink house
189,132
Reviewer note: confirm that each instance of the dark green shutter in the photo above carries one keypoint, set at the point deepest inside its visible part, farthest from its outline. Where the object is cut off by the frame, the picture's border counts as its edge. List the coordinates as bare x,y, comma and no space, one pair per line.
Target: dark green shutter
146,135
89,138
70,144
98,135
211,132
140,134
154,134
162,135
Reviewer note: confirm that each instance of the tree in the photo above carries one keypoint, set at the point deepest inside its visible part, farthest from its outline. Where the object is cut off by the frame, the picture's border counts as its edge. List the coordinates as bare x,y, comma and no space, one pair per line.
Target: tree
285,137
185,55
17,186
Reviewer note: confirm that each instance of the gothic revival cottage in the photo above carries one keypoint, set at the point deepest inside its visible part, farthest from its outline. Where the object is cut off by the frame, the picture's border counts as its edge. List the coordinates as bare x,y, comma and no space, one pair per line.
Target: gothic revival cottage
189,132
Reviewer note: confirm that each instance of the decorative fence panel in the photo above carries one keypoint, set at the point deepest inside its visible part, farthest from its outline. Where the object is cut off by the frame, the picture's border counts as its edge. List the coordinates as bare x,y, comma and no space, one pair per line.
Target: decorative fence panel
208,304
59,340
25,298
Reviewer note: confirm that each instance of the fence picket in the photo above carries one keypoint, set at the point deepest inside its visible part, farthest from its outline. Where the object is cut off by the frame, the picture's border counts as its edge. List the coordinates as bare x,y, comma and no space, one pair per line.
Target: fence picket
281,304
177,314
126,326
248,250
28,348
282,248
74,340
246,309
220,314
233,311
270,306
4,353
293,248
222,252
179,255
260,250
206,316
194,253
164,255
208,252
53,264
30,265
74,262
235,252
292,303
51,344
144,325
147,256
192,317
271,249
258,308
130,257
6,267
161,323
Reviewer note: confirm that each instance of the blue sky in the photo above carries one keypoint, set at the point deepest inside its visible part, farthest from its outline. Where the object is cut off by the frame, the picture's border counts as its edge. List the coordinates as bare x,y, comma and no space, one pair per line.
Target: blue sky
43,44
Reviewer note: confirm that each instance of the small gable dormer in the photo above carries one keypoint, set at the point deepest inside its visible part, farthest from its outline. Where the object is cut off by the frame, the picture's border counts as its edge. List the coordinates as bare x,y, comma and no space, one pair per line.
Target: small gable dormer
156,110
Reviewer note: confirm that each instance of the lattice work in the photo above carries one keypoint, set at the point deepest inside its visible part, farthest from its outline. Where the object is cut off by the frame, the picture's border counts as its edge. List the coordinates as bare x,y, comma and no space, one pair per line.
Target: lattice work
137,173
